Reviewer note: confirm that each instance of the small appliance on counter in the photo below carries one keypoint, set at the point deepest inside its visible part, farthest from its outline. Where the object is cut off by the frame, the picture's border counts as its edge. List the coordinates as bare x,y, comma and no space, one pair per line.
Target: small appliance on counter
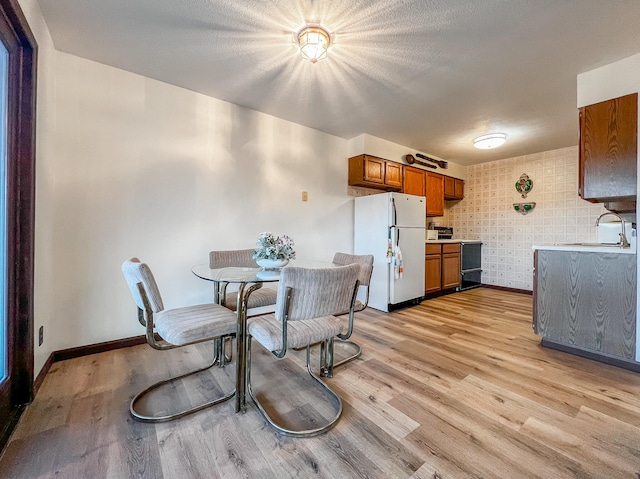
432,235
444,232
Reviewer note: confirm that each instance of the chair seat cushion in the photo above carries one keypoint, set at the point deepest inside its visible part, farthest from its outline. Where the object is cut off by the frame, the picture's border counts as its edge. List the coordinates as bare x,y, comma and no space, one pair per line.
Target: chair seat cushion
267,330
195,323
259,298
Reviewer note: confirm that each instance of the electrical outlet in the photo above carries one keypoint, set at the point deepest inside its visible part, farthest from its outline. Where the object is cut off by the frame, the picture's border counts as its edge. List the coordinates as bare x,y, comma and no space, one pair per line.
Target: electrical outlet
40,335
305,196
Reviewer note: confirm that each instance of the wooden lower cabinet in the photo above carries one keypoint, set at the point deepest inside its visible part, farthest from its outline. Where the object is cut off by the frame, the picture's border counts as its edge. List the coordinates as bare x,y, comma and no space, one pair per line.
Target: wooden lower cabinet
441,266
432,273
451,269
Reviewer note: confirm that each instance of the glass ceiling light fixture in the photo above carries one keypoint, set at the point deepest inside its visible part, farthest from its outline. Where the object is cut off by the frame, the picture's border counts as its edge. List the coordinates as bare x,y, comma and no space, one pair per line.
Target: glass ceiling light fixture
314,42
493,140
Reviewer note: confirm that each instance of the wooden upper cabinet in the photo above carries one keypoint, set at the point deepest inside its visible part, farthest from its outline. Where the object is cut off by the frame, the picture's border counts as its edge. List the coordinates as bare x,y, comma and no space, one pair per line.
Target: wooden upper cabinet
393,174
459,189
453,188
414,181
435,194
373,172
608,150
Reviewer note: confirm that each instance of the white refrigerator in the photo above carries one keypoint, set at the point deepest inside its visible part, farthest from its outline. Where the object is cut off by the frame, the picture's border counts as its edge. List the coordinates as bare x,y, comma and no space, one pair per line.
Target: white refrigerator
391,227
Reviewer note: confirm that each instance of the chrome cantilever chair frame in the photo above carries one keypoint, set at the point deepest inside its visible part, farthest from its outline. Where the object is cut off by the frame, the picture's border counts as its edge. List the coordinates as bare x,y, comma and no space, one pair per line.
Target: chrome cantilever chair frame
145,318
327,363
280,354
147,321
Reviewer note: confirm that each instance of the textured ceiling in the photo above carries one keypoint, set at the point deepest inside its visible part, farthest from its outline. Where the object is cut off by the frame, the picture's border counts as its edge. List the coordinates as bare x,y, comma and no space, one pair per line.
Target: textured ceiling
431,75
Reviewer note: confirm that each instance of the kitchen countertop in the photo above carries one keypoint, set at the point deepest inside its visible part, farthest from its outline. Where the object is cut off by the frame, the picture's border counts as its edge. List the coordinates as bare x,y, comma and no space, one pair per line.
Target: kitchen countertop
586,248
444,241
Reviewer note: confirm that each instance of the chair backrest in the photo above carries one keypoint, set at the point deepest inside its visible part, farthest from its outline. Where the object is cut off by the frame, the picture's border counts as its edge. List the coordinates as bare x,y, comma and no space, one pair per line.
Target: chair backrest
241,258
316,292
364,260
136,272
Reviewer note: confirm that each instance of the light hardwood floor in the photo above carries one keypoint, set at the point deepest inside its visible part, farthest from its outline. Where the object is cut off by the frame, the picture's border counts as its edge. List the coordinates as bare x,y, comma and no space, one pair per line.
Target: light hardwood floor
456,387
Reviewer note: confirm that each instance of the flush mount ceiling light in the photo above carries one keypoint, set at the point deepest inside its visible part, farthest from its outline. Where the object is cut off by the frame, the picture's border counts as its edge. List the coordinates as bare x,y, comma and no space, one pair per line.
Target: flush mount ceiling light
313,41
490,141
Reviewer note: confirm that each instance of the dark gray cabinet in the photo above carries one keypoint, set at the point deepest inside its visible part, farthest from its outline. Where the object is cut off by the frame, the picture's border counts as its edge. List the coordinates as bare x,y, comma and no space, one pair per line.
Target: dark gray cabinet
586,300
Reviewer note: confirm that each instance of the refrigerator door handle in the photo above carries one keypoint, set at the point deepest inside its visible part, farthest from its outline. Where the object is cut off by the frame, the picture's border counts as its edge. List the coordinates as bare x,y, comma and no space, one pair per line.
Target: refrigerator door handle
394,212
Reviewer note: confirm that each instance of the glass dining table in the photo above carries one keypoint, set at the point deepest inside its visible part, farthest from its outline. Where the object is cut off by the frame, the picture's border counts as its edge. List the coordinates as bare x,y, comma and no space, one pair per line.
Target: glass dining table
248,280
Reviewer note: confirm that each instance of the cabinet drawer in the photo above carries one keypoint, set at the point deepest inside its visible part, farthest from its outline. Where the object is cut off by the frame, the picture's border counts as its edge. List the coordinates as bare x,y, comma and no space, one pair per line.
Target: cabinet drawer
451,248
432,248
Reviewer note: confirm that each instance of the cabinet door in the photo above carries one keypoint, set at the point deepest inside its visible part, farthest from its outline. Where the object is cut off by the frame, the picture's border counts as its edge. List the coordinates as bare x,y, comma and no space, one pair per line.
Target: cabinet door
608,150
458,189
393,174
432,273
413,181
449,188
374,170
450,270
435,194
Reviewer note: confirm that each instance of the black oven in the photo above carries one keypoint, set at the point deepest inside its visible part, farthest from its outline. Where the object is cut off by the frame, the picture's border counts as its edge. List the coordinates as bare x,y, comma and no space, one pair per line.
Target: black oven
470,265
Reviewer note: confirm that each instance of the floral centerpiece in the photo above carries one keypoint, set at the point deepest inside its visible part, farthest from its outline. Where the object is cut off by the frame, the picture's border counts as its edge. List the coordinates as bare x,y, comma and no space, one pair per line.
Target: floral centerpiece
272,251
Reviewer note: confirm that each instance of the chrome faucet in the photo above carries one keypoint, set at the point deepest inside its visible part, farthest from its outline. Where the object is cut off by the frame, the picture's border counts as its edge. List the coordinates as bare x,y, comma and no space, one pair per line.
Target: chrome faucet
623,237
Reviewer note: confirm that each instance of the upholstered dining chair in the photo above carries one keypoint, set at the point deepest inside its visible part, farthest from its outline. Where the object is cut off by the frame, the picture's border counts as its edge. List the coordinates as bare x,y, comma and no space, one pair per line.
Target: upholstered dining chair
176,327
240,258
305,308
327,362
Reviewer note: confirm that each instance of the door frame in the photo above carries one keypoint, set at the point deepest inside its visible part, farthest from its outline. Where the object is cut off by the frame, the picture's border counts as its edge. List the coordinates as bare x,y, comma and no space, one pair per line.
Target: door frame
20,42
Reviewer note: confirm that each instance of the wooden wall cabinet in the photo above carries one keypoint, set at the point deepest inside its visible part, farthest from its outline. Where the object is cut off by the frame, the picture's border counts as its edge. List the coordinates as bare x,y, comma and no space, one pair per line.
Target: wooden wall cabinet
373,172
608,151
435,194
413,182
441,266
453,188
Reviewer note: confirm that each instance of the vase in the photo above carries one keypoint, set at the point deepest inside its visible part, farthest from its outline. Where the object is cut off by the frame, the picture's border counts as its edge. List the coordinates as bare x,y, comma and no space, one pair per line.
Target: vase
272,263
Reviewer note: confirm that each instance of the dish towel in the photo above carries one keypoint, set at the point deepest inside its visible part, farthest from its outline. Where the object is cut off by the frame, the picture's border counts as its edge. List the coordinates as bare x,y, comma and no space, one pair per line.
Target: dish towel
398,267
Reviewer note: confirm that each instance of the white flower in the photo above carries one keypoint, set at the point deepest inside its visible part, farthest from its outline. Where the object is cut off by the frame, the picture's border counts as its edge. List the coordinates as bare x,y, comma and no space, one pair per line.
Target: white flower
272,247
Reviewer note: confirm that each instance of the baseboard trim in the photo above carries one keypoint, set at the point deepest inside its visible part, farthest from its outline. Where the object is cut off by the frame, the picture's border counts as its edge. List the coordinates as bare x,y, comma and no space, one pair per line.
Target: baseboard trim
80,351
510,290
594,356
71,353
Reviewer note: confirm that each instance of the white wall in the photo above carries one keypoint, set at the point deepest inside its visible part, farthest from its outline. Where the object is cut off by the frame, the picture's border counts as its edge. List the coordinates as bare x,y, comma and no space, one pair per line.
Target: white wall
147,169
